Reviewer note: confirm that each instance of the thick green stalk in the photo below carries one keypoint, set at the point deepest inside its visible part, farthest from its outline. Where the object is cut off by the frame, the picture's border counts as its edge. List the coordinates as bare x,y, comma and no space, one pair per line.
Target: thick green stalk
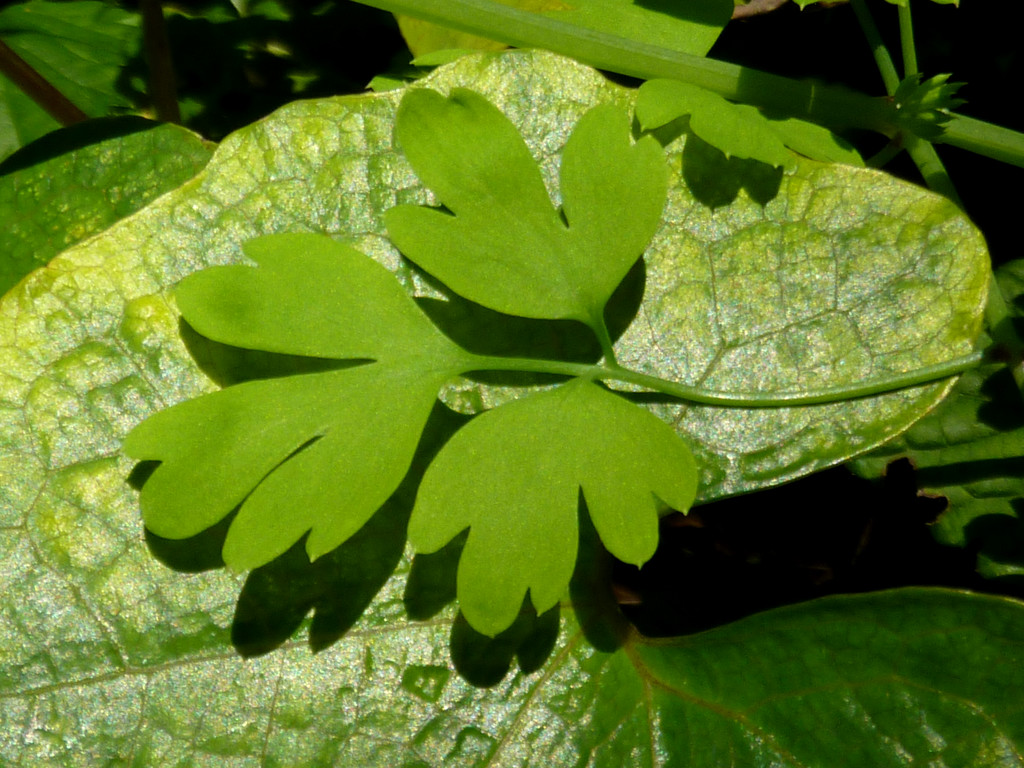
836,107
931,167
986,139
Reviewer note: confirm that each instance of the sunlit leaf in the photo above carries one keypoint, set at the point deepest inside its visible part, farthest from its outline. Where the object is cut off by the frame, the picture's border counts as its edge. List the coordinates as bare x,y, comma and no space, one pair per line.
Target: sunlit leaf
74,183
319,452
81,48
110,653
500,242
514,476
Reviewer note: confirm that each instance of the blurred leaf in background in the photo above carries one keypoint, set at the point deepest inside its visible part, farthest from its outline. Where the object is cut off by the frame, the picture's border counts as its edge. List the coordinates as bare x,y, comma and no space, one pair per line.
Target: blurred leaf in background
81,48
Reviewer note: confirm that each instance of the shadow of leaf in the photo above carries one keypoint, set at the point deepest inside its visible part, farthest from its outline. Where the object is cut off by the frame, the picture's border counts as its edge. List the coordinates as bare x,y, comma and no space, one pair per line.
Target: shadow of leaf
432,580
337,587
999,539
484,661
716,180
486,332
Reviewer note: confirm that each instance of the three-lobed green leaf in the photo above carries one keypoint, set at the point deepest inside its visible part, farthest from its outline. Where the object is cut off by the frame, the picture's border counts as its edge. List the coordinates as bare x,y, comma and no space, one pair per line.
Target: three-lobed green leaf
317,452
514,476
501,242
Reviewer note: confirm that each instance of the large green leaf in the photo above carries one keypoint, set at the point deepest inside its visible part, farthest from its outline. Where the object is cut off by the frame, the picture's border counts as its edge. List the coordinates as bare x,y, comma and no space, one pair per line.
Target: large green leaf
842,276
141,671
109,654
81,48
76,182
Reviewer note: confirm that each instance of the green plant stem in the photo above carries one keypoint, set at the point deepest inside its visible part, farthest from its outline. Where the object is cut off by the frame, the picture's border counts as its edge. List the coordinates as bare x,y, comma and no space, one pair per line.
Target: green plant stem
921,151
931,167
604,338
38,88
986,139
836,107
925,375
886,67
886,153
1000,328
907,41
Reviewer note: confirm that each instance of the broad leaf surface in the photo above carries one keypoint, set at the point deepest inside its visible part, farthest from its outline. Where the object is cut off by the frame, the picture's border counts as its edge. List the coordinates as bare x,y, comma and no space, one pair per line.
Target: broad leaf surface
273,446
81,48
76,182
109,654
970,450
793,295
513,476
503,244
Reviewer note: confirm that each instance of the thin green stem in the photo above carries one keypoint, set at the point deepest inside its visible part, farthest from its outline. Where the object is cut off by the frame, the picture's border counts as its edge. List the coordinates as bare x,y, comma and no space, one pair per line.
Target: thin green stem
886,153
1000,327
931,167
907,41
886,67
604,338
921,151
925,375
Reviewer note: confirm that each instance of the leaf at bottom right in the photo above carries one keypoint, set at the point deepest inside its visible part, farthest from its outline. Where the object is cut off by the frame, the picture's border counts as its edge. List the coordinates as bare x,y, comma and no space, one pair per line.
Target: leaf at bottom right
906,677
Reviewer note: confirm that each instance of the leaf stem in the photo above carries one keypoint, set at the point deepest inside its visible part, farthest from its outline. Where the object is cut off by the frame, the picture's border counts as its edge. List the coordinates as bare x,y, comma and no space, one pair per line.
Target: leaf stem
907,41
604,338
886,67
1002,144
931,167
925,375
920,150
1000,327
830,105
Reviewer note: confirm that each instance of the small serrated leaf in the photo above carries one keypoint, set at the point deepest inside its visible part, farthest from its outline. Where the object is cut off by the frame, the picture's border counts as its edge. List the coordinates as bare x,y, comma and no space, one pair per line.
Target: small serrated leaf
514,476
925,107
